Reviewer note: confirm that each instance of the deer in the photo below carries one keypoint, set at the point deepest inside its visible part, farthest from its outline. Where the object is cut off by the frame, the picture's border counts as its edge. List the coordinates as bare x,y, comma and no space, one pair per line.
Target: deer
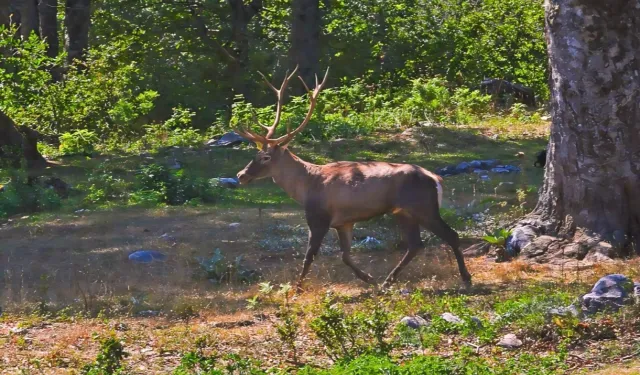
340,194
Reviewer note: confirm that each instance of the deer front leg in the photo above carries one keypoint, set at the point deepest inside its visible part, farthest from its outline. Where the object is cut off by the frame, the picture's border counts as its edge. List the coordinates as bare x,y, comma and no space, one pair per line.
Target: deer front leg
345,234
316,235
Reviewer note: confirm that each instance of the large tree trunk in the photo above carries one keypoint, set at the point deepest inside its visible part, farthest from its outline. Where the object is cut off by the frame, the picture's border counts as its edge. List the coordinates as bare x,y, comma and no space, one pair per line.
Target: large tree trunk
77,21
591,191
305,39
18,144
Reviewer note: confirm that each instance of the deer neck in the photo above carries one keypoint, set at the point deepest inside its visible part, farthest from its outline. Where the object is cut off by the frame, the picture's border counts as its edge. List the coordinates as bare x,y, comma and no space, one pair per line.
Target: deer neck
294,176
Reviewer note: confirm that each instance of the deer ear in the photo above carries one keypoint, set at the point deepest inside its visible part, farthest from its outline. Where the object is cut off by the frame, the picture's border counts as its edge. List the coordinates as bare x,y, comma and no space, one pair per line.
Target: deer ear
258,145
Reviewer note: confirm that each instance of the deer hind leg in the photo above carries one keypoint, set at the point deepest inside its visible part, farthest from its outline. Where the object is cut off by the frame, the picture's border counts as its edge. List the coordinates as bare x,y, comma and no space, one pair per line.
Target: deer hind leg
440,228
345,234
316,235
411,233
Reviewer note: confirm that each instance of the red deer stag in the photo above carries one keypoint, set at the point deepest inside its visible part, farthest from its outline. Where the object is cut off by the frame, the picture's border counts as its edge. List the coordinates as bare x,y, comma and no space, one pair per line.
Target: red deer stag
337,195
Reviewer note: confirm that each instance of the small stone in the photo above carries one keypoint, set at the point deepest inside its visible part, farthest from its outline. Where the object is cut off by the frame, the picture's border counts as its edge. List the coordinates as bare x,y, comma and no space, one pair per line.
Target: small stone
510,341
148,313
448,317
234,225
414,322
121,327
19,331
506,187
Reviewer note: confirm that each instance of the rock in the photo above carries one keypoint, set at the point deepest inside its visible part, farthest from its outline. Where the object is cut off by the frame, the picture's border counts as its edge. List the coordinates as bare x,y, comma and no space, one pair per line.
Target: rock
477,321
605,249
480,171
485,178
519,238
570,310
500,170
477,250
148,313
510,341
636,293
574,251
608,293
147,256
228,182
234,225
538,247
120,327
448,317
19,331
463,167
167,237
227,140
414,322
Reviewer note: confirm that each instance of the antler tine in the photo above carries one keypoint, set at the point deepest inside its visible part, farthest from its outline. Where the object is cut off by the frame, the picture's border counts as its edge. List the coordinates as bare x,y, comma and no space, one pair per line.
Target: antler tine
313,96
271,130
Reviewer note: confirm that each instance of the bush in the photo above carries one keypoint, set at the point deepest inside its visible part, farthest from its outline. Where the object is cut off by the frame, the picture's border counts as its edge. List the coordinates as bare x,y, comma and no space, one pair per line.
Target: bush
17,195
174,188
108,360
79,142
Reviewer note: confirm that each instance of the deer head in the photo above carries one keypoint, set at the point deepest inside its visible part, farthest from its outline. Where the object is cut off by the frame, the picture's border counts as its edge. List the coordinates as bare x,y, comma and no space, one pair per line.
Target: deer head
271,149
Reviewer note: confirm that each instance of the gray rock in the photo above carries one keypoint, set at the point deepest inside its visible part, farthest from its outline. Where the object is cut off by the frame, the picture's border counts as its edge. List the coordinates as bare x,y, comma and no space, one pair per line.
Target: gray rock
448,317
608,293
234,225
227,140
570,310
636,293
148,313
537,247
510,341
414,322
19,331
519,238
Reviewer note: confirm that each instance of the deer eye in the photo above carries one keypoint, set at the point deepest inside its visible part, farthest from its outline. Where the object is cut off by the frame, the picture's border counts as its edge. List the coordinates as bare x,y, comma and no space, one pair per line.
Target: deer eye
265,158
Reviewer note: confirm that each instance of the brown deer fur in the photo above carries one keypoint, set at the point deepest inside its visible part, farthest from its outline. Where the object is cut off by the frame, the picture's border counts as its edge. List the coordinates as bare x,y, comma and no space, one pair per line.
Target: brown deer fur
338,195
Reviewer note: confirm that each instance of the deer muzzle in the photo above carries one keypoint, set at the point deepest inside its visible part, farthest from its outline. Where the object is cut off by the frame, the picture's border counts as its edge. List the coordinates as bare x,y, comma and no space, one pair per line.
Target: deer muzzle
244,178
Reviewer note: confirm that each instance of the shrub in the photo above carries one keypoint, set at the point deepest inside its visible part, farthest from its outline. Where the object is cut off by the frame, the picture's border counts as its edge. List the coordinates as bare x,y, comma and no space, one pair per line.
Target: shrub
174,188
79,142
108,361
18,195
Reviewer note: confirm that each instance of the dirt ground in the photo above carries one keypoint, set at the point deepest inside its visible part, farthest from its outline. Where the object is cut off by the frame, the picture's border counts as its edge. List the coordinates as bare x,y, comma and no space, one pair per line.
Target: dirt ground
82,262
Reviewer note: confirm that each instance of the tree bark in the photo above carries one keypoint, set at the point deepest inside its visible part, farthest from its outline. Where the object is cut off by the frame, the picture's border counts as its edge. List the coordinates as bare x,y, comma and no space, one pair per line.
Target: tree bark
77,22
17,144
48,11
241,15
591,191
305,39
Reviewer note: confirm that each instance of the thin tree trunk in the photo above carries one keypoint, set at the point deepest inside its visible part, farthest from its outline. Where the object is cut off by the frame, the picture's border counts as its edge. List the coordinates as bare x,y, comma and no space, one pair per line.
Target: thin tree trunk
48,11
305,39
241,15
77,22
591,191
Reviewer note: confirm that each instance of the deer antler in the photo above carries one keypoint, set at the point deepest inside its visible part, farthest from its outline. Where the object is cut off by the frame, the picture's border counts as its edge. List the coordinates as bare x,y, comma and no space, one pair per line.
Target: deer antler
313,99
271,130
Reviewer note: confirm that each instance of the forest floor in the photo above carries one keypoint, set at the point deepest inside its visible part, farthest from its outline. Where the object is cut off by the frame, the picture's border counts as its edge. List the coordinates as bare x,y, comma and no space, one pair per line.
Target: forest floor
67,279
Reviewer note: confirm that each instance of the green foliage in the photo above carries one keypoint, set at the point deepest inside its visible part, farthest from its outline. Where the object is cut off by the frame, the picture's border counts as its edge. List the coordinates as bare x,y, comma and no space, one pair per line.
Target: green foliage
173,187
348,335
108,361
498,237
17,195
79,142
